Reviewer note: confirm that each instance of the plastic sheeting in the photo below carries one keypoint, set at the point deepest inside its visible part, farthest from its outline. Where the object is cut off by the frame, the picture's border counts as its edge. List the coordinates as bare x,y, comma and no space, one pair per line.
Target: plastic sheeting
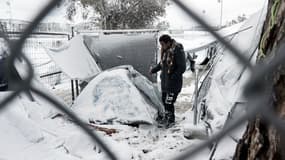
138,50
228,80
75,60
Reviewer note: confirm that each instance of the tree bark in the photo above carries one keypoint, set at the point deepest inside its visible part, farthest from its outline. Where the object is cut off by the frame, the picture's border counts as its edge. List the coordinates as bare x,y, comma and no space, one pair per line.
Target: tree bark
262,141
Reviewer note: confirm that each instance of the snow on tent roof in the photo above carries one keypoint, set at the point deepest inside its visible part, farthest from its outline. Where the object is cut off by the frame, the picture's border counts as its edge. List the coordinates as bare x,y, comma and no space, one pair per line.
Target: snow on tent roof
228,72
121,95
138,50
75,60
203,41
229,78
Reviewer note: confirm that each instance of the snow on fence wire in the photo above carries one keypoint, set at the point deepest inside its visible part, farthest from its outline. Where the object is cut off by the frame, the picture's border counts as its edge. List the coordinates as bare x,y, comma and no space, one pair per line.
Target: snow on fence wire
13,25
125,31
257,91
45,68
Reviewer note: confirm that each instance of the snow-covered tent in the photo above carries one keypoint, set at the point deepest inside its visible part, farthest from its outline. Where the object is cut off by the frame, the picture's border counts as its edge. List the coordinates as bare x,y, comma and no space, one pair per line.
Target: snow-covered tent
120,94
204,41
229,75
138,50
222,89
27,121
33,128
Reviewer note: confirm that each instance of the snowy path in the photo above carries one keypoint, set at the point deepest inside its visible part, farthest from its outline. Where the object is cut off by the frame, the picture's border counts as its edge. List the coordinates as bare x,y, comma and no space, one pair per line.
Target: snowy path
183,102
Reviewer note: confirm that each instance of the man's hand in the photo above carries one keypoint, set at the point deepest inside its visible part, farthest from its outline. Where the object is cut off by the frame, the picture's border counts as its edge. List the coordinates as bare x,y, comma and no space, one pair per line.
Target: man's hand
150,70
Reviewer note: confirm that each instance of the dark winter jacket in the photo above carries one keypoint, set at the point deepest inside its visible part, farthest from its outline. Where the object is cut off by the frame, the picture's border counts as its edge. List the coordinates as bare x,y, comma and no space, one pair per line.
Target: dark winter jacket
3,78
172,66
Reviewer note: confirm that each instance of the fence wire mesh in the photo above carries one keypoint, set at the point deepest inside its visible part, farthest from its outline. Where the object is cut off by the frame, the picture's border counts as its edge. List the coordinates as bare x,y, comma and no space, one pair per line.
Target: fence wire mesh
258,91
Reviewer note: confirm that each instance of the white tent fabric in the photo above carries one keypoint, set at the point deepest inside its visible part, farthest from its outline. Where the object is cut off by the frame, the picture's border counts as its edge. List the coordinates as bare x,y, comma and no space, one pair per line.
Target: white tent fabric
229,79
115,96
206,39
75,60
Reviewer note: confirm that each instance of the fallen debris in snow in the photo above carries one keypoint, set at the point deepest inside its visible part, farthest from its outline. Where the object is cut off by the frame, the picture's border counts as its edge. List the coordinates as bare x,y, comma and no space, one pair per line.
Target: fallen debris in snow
108,131
195,131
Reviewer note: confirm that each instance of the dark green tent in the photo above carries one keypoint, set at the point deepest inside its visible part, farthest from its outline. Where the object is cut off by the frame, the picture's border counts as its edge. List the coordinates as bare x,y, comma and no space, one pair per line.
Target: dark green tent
138,50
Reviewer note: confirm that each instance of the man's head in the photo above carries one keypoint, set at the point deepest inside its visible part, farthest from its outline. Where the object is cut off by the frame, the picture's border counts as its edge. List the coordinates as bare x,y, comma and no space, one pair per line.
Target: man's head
165,41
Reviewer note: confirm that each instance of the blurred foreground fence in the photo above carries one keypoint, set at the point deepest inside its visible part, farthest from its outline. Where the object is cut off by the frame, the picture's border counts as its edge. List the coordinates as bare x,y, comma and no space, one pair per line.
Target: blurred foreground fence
46,35
257,92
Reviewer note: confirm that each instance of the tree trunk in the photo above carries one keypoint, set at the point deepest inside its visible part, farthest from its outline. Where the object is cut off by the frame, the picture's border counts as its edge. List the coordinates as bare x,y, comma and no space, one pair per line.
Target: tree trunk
262,141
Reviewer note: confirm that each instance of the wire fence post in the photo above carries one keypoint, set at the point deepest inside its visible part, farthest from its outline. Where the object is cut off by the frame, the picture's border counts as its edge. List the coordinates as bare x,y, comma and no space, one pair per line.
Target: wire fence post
72,90
77,87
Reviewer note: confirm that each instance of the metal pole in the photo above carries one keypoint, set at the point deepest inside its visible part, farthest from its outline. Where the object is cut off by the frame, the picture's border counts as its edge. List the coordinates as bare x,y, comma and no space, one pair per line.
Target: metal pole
196,97
72,90
77,87
72,32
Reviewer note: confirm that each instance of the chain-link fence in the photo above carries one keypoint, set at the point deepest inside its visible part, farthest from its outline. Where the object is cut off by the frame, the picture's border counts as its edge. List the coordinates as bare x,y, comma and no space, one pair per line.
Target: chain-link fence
46,35
258,91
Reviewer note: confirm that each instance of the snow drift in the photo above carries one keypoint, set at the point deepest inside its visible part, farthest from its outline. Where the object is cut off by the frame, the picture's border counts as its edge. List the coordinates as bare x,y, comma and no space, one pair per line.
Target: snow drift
32,128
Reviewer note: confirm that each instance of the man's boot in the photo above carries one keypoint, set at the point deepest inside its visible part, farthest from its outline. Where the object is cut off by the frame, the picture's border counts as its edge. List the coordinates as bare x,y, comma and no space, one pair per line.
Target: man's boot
170,119
161,121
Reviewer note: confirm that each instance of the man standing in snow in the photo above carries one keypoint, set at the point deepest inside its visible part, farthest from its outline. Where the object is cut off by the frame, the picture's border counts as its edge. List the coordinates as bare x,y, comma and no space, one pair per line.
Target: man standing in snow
172,66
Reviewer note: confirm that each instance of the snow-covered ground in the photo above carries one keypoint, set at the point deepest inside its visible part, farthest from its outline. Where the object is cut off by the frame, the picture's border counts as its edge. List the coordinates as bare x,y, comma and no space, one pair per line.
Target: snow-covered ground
29,130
